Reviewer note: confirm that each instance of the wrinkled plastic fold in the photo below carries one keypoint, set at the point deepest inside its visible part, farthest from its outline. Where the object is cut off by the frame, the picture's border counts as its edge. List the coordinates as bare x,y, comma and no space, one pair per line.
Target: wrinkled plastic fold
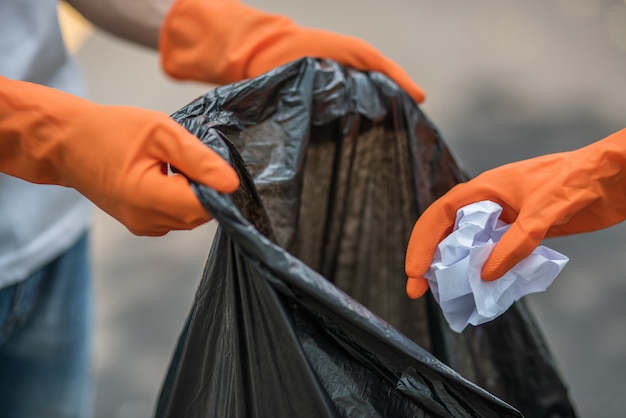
301,310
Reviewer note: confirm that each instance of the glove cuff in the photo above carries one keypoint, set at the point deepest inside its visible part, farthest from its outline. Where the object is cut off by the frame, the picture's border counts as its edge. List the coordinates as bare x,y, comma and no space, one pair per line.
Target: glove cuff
214,40
34,121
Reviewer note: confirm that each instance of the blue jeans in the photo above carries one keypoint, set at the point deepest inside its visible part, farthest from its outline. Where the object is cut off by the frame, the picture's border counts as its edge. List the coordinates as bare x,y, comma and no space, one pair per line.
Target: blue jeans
45,340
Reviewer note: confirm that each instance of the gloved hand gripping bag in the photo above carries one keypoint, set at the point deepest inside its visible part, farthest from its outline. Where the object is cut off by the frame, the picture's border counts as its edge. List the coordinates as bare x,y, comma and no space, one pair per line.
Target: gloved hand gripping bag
301,311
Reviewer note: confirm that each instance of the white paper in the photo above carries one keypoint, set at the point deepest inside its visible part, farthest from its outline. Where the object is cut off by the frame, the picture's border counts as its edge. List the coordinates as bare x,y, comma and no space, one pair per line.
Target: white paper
454,276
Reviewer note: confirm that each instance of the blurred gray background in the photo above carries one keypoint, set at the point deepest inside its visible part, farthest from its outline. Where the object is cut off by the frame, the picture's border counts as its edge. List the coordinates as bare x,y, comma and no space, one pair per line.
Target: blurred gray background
505,81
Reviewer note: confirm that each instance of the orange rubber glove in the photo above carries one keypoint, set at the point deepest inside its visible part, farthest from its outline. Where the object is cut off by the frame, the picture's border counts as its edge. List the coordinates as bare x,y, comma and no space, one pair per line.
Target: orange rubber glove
223,41
113,155
549,196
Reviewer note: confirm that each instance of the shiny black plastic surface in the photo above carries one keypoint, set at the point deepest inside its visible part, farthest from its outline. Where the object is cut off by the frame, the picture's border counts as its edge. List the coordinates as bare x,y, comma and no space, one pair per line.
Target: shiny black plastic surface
301,311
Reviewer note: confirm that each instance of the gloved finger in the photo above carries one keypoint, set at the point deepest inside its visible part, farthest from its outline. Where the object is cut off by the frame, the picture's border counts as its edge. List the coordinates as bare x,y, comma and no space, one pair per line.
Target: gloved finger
521,239
425,237
416,287
376,61
346,50
434,224
397,74
362,56
161,204
196,161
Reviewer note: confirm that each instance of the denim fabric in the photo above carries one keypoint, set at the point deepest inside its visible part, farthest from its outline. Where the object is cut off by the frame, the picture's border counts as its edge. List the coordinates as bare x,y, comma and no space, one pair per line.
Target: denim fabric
45,340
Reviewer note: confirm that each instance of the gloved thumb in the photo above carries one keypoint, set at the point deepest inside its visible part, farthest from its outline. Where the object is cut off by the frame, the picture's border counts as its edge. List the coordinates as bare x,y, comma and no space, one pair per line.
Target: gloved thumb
516,244
416,287
432,226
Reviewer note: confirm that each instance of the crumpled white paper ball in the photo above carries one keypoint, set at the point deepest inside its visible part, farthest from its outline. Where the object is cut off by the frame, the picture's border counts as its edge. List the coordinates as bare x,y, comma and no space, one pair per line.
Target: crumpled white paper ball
454,276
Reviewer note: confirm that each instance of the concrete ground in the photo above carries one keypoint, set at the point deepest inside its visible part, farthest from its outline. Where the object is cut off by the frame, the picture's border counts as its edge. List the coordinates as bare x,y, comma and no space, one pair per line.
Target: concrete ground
505,81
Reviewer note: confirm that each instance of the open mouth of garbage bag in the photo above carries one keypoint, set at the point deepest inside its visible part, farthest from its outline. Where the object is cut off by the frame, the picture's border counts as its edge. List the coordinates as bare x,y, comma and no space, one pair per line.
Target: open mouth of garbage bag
301,310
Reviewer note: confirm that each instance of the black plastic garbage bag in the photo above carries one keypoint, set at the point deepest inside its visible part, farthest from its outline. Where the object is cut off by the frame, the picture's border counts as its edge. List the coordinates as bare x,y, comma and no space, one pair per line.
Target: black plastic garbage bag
336,165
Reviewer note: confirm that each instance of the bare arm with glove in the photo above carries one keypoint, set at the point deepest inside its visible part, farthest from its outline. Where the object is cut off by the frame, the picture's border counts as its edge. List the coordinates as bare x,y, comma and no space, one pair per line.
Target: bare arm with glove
548,196
223,41
113,155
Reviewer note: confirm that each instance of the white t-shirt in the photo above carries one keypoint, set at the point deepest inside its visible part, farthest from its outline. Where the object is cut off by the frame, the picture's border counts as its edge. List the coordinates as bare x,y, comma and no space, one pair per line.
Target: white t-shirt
37,222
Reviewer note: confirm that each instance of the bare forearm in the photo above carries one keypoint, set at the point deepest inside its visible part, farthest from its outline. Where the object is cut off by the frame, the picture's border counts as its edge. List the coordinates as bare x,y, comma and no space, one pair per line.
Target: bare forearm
138,21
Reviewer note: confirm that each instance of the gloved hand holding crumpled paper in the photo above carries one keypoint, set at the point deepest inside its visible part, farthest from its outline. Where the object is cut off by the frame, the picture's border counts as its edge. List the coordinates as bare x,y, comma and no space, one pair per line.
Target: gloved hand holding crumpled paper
454,275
